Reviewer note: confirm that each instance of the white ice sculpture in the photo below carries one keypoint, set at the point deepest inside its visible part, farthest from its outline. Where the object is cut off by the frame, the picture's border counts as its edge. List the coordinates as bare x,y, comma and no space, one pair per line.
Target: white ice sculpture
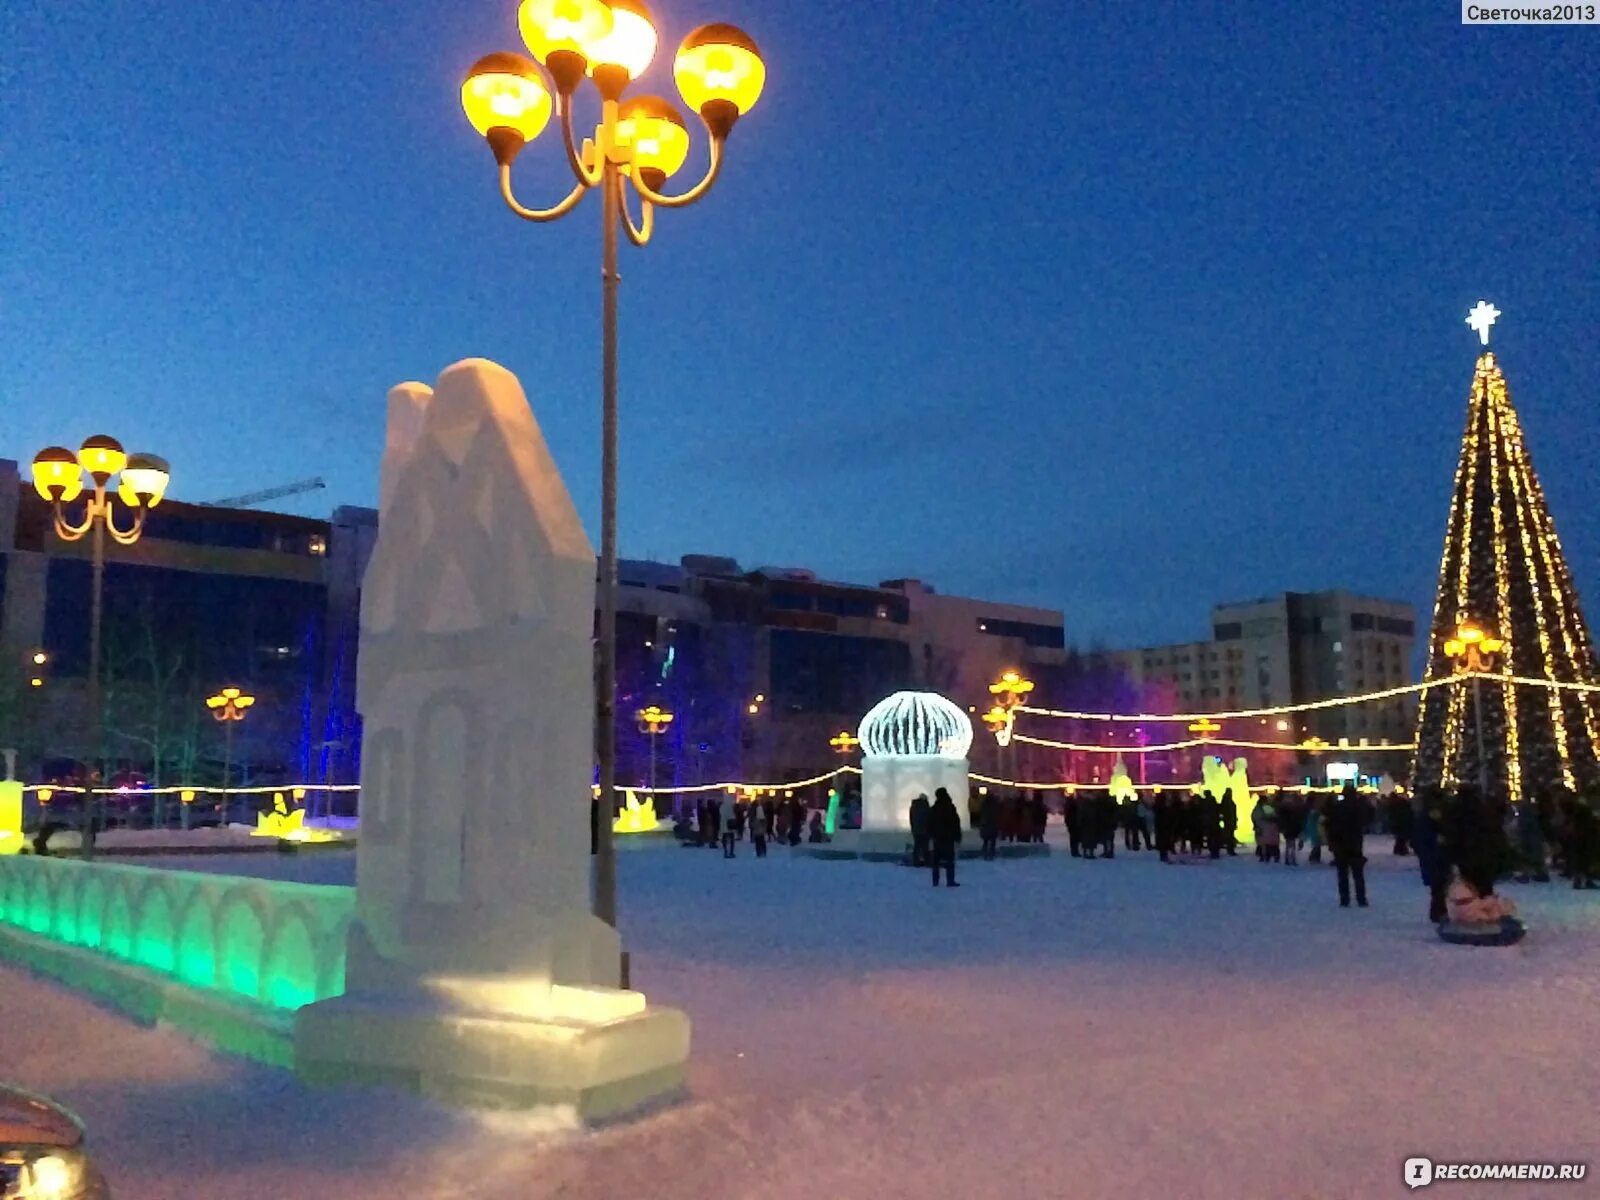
475,969
912,742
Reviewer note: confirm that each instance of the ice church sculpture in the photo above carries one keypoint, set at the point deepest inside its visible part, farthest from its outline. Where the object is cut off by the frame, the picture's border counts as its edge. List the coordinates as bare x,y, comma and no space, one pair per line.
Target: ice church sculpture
475,969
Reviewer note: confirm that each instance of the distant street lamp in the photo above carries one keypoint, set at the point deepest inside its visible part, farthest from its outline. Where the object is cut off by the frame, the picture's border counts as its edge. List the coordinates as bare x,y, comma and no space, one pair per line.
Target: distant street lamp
1009,691
654,721
228,706
58,478
844,742
642,141
1472,652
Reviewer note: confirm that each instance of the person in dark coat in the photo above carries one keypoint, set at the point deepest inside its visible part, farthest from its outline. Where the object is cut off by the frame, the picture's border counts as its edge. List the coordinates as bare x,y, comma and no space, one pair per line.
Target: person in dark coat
1128,811
758,829
989,828
1041,817
797,822
714,815
1106,822
944,834
1088,826
1072,818
1292,823
1229,812
1475,838
1211,821
1530,842
1431,858
919,830
1402,823
1165,820
1579,840
1347,818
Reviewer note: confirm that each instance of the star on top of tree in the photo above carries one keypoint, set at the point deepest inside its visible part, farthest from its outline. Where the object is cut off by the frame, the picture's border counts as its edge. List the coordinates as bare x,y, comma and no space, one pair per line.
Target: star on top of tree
1482,317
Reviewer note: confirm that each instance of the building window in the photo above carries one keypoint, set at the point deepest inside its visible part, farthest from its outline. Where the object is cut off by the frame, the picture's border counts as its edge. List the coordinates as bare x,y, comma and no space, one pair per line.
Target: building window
318,545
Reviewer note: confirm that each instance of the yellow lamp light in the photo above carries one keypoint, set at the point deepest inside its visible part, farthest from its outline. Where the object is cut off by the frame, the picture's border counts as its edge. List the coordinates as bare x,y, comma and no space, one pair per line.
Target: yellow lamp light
653,129
506,92
571,26
45,794
57,475
144,481
102,457
186,795
631,44
720,75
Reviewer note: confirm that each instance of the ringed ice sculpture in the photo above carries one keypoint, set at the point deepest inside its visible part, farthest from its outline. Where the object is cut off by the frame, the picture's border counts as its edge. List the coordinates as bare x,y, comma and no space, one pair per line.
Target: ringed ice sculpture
911,742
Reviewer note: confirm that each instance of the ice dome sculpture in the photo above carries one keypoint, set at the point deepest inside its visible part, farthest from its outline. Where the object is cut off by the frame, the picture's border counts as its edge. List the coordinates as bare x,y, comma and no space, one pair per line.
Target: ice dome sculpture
913,743
915,725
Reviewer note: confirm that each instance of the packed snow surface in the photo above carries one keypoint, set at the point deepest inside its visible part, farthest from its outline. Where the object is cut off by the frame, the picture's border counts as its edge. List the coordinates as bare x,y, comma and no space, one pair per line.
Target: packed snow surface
1054,1028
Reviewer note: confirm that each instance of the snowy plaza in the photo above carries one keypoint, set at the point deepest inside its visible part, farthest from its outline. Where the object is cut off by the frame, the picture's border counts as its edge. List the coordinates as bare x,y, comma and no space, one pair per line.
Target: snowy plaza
1055,1028
494,732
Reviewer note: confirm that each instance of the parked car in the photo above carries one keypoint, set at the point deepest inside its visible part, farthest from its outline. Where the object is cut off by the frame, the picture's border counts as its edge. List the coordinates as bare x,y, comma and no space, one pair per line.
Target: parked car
42,1153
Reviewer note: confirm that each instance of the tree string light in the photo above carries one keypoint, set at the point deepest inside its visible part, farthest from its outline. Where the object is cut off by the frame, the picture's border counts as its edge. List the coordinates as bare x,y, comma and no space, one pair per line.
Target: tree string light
1192,743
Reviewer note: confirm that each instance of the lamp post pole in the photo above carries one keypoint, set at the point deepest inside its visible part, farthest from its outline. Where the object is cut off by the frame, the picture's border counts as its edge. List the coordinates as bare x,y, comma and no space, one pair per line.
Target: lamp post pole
227,774
97,713
228,706
605,863
1477,723
642,142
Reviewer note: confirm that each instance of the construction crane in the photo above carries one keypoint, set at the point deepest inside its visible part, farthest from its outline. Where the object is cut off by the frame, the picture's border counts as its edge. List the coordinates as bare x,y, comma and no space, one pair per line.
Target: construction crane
250,499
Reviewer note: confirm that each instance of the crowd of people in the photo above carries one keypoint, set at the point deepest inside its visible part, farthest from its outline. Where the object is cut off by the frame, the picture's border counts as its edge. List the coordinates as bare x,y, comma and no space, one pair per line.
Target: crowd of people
788,822
1458,836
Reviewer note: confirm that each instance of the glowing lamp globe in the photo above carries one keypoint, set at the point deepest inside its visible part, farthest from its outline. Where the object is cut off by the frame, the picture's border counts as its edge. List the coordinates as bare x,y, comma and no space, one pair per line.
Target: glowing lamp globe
655,132
720,74
102,457
631,44
564,27
144,481
506,100
57,475
916,725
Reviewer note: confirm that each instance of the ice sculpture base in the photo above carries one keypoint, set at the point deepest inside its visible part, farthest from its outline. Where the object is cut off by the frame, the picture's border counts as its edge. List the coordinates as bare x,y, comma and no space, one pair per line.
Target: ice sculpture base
890,783
599,1053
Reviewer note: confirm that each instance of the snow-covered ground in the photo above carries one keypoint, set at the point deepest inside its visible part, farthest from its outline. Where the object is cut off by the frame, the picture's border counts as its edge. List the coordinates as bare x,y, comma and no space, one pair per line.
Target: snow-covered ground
1055,1028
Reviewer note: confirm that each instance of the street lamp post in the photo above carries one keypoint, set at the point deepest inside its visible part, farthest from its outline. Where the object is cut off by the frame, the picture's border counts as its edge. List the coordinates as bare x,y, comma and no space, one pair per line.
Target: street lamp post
58,477
1472,652
228,706
640,141
654,721
844,744
1009,691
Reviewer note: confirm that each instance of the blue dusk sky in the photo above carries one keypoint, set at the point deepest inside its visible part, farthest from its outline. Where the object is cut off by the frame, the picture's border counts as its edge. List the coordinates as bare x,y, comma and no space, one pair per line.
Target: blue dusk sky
1118,308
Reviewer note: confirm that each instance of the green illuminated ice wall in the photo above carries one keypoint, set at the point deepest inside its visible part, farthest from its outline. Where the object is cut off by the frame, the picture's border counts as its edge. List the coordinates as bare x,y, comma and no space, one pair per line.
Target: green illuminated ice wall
279,944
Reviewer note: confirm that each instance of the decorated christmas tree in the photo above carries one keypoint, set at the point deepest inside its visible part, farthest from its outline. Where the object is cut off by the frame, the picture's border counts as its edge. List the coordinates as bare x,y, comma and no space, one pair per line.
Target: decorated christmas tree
1506,607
